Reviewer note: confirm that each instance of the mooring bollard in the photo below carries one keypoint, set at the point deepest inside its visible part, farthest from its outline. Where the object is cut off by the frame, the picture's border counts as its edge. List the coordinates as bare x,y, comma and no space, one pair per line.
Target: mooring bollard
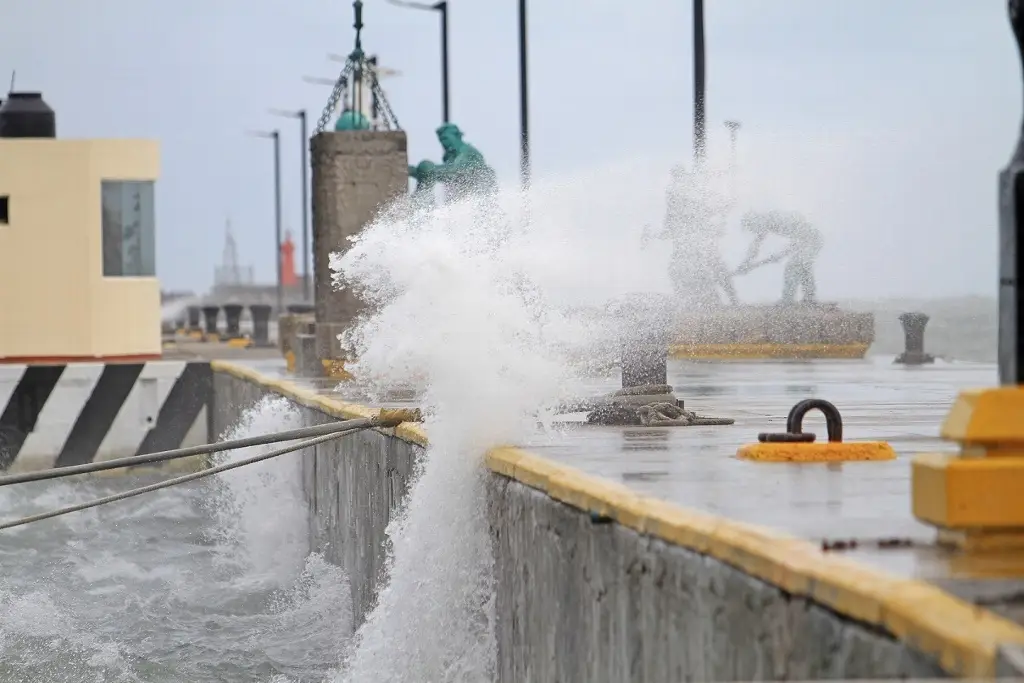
233,320
913,346
210,314
644,362
260,324
644,346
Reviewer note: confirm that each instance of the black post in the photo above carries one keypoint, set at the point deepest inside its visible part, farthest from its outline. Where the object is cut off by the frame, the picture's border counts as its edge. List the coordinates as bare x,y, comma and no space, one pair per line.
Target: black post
698,82
277,216
307,280
446,103
524,116
1011,214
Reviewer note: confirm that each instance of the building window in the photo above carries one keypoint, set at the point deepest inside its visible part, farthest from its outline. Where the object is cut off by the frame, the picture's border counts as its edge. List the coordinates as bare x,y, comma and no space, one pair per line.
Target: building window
5,216
129,228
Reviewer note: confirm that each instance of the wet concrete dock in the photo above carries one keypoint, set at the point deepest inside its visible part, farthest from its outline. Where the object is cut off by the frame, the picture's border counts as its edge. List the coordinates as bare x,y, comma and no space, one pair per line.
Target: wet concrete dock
859,510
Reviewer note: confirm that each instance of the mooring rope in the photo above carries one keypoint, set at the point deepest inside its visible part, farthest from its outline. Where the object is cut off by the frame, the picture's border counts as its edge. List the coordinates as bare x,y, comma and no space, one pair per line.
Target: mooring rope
124,495
389,417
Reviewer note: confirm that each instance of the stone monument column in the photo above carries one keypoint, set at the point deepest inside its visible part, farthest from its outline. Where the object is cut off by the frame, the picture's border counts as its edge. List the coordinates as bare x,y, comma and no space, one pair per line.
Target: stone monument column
355,173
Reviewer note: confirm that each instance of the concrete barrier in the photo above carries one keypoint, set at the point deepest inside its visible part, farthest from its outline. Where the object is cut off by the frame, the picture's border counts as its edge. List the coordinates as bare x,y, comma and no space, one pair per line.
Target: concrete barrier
597,583
74,413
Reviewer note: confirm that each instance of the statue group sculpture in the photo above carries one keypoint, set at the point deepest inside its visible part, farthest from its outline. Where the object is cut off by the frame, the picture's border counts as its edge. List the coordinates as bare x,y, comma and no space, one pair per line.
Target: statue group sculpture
695,221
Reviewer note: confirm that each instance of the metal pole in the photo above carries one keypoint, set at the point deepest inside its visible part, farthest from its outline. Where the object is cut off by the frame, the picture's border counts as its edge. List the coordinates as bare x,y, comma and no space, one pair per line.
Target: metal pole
277,219
524,110
699,141
1011,214
446,104
307,280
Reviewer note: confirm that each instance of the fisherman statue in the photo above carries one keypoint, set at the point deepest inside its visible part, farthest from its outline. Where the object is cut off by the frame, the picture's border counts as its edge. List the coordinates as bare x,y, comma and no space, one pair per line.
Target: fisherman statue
695,222
463,169
804,245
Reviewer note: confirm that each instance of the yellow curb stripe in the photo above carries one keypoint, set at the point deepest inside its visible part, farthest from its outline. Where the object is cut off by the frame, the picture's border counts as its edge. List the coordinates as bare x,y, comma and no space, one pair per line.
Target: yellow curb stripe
961,637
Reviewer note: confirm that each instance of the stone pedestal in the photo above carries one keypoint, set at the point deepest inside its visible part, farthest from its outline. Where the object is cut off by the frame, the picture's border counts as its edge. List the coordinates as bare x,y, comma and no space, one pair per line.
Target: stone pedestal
796,331
355,173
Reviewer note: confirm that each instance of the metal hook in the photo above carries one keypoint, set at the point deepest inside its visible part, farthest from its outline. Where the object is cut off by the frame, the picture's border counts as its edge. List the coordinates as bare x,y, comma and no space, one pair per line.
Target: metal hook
795,420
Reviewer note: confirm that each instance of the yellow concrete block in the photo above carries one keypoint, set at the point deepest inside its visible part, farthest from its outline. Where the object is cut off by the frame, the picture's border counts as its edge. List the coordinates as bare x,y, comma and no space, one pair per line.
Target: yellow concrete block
964,493
195,335
852,451
211,338
239,343
989,417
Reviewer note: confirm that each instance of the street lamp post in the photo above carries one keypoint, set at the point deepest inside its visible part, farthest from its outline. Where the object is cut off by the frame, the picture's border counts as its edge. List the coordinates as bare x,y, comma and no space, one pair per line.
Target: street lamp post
699,88
524,109
307,278
275,135
442,8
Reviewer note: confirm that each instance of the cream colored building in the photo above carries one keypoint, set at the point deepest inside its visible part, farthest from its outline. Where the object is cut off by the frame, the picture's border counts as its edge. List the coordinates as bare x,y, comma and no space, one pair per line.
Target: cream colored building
77,250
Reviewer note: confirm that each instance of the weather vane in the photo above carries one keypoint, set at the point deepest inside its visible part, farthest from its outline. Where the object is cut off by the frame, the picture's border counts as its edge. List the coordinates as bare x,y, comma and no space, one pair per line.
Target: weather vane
357,82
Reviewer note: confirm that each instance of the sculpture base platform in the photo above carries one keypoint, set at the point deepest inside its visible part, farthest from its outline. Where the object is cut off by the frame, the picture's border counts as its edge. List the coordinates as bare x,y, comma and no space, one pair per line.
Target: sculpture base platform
799,331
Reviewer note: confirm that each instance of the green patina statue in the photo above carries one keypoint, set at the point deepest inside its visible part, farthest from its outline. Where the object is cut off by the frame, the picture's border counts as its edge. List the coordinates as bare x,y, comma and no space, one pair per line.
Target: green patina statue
463,168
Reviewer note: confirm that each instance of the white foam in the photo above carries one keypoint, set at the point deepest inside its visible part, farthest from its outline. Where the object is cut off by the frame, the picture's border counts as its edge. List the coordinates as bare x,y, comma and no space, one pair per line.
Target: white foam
496,316
260,508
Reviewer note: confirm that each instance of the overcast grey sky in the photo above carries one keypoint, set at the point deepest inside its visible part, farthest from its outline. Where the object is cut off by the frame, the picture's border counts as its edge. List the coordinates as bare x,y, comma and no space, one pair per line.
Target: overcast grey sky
914,104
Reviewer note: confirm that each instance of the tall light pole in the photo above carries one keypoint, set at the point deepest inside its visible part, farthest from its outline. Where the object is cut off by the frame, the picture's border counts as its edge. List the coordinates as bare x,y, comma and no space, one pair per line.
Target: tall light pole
275,135
442,8
307,279
524,99
699,88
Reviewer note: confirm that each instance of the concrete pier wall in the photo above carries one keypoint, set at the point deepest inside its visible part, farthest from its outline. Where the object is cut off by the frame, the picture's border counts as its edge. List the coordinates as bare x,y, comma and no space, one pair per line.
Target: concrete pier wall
595,583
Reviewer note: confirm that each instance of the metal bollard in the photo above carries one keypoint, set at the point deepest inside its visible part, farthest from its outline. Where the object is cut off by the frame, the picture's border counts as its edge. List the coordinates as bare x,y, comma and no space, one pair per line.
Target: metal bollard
210,314
195,319
233,320
644,362
646,321
260,324
913,334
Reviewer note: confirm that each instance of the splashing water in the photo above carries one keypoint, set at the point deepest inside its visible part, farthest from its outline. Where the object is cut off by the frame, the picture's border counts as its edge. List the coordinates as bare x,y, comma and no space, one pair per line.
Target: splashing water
260,508
489,313
204,582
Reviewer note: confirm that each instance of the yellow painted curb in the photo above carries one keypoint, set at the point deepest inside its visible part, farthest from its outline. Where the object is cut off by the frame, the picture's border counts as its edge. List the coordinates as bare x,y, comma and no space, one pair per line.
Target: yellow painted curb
847,451
310,399
762,351
961,637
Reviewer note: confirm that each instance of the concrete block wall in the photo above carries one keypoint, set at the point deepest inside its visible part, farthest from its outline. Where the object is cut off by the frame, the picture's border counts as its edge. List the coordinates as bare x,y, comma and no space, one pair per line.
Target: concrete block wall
597,584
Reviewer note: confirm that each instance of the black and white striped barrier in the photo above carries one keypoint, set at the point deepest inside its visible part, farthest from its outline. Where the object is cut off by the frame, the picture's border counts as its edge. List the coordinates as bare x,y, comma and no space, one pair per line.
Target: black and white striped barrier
59,415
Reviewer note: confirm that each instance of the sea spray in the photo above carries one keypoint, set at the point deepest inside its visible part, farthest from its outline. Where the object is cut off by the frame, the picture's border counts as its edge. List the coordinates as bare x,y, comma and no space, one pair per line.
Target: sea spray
260,508
477,304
